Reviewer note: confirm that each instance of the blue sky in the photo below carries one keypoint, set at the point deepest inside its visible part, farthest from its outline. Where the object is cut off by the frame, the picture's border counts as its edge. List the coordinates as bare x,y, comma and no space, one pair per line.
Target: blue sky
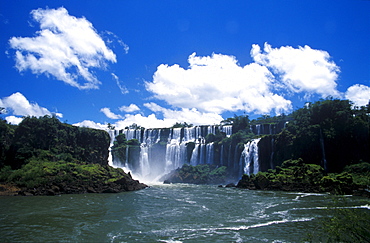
155,63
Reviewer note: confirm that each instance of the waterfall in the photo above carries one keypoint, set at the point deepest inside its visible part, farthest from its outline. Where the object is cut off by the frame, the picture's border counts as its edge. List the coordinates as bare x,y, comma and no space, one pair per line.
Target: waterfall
194,156
209,153
202,154
144,160
323,151
249,157
159,136
258,129
153,158
211,129
174,150
227,129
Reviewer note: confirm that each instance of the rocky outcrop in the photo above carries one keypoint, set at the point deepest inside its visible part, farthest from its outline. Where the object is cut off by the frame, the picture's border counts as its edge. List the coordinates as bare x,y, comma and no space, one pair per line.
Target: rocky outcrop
294,175
123,184
200,174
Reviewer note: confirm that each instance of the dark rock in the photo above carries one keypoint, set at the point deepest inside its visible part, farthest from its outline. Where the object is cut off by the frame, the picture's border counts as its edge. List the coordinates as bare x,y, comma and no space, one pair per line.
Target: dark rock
50,192
25,193
230,185
91,190
110,190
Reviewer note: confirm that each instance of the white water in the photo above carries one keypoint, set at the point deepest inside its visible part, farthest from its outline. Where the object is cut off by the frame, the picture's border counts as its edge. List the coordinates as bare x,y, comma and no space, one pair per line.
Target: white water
249,157
175,153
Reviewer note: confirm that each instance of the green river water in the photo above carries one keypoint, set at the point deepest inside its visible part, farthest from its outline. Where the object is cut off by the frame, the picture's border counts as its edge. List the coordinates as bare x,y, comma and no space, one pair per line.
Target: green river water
168,213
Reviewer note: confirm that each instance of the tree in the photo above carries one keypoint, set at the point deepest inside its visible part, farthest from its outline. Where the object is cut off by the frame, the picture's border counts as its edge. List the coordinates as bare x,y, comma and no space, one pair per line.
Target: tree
110,126
181,125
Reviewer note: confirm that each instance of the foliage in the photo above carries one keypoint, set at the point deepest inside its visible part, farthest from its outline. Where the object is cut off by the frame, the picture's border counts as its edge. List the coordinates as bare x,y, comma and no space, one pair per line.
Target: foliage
181,124
328,133
34,136
360,173
266,119
346,225
120,144
215,138
41,172
134,126
6,138
200,174
295,175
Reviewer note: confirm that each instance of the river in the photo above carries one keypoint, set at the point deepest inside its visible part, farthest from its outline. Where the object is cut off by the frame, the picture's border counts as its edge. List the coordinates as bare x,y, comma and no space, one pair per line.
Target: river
168,213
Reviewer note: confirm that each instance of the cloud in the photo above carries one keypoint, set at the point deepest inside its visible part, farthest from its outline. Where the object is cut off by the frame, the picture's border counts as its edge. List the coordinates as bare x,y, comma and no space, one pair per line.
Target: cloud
130,108
13,120
119,84
301,69
110,38
65,47
190,116
217,83
359,94
20,106
170,117
110,114
91,124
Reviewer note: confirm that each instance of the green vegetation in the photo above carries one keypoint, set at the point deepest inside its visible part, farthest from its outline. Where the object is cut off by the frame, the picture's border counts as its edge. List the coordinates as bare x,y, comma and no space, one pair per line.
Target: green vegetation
38,173
200,174
181,124
360,173
48,137
295,175
329,133
346,225
44,156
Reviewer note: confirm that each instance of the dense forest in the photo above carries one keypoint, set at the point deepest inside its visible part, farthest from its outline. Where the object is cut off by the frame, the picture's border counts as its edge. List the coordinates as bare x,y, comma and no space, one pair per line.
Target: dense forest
45,156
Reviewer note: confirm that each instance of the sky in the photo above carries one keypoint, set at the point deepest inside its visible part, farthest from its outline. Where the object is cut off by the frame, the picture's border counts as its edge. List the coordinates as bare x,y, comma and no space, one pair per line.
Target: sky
155,63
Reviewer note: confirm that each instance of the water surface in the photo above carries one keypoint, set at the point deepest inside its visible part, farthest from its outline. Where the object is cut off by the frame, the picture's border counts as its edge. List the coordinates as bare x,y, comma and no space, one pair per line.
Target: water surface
168,213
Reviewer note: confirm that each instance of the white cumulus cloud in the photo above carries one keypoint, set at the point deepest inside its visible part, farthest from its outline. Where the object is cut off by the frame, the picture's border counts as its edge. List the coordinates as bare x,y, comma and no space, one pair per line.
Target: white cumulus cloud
170,117
301,69
91,124
217,83
190,116
13,120
130,108
359,94
18,105
65,47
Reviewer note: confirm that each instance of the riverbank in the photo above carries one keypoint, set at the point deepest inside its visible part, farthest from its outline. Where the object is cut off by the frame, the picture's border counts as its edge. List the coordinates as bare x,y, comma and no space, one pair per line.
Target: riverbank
296,176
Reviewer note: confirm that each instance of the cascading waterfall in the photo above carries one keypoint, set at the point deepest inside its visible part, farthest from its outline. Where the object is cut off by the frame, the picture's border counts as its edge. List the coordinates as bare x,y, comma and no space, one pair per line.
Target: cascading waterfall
194,155
144,160
249,157
174,157
162,150
209,153
227,129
